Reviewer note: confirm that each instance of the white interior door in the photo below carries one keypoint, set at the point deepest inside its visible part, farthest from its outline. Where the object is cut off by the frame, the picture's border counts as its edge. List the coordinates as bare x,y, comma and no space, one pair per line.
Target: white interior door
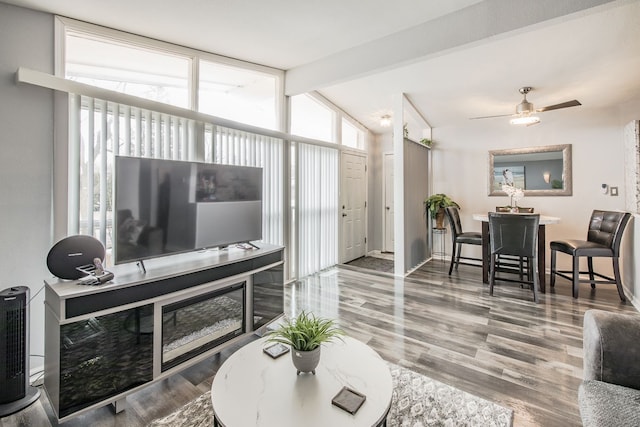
353,206
388,203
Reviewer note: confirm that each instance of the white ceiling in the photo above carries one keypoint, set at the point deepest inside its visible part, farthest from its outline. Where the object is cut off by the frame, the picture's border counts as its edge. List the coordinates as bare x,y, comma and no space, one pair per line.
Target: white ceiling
455,59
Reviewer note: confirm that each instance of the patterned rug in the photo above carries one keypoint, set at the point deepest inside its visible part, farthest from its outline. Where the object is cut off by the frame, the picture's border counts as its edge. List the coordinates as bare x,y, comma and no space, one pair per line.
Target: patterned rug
373,263
417,401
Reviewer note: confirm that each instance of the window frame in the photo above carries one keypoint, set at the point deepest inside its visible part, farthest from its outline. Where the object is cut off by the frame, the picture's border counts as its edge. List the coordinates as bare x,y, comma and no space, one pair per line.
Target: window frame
64,25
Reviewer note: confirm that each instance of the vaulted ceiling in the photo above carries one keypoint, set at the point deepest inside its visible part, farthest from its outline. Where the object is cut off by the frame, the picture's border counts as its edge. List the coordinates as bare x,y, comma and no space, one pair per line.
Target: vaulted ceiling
454,60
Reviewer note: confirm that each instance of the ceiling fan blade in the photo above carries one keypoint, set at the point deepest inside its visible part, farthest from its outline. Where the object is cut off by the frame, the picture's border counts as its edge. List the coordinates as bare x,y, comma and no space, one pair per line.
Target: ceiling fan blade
573,103
490,117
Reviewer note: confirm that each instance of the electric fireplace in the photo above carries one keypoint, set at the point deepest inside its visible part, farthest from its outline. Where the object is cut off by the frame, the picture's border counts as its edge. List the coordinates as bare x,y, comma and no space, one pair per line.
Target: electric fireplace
197,324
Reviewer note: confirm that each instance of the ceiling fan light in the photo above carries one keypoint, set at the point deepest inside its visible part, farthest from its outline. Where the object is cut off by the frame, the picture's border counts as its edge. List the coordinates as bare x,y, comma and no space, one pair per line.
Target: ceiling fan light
525,120
525,107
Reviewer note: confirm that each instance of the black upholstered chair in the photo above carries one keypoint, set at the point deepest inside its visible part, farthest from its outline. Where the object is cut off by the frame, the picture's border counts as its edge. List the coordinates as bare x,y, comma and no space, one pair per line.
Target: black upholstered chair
603,240
460,238
509,262
514,235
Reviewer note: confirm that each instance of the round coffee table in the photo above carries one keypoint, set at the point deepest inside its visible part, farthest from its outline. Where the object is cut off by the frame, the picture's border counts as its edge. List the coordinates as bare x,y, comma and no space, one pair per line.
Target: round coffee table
252,389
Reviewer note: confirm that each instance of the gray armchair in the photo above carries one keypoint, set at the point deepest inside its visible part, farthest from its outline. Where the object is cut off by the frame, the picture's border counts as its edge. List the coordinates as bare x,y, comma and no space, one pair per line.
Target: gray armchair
610,392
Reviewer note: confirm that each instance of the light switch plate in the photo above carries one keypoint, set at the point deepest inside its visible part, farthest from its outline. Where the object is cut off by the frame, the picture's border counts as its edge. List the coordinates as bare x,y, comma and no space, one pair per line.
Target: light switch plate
614,191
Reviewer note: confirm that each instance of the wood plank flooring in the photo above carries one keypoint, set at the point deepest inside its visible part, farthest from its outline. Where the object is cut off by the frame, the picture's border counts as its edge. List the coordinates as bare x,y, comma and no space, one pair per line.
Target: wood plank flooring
504,348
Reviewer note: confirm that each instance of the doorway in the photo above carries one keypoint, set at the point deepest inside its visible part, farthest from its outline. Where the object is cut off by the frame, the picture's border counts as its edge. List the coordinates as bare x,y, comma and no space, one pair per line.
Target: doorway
382,260
388,203
353,203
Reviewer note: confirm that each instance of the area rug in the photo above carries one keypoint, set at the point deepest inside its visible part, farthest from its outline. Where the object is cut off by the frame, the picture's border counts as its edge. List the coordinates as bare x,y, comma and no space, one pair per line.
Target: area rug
373,263
418,401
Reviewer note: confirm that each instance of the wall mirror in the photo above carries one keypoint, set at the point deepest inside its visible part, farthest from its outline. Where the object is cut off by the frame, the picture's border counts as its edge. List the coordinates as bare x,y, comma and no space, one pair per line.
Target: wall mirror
539,171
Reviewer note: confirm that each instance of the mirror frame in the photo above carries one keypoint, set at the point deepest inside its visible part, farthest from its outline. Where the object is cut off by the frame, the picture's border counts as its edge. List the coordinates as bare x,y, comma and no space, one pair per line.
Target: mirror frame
567,189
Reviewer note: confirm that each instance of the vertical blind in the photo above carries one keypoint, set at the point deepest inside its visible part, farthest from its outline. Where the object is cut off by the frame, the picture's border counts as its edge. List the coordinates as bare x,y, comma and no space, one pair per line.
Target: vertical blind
100,130
234,147
317,208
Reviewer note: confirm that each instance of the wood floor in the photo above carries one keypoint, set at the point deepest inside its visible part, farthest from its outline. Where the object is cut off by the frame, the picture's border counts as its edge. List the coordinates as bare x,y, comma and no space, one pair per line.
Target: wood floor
504,348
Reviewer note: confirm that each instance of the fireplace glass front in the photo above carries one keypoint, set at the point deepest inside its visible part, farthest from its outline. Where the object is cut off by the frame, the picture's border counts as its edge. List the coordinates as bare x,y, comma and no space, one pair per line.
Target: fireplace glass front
195,325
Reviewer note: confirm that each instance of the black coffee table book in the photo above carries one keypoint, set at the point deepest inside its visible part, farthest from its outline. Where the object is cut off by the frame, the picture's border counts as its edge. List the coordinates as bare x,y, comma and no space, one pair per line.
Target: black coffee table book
349,400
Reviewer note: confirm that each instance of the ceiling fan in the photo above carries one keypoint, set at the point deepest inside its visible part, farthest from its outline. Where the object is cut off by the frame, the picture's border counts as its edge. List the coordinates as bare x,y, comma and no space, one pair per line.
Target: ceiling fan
524,110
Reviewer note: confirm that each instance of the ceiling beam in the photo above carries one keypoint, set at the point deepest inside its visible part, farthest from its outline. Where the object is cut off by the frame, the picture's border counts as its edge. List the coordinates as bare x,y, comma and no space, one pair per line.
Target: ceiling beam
474,24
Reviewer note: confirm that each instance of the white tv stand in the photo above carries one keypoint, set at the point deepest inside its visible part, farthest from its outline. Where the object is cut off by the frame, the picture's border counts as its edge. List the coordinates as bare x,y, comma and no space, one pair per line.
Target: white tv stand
107,341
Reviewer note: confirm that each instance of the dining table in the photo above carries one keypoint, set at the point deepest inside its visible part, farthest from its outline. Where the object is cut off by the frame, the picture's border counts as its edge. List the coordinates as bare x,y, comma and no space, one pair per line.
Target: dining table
486,252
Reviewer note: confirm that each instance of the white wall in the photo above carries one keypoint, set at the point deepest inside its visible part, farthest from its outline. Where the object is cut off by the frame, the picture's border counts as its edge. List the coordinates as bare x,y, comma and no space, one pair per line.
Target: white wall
26,120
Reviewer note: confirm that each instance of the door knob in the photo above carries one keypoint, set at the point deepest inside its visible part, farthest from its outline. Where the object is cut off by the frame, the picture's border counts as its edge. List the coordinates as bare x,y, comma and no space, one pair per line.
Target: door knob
388,208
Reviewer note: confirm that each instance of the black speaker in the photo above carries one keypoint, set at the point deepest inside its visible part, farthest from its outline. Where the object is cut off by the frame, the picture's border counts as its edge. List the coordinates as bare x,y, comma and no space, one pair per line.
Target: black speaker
15,393
72,252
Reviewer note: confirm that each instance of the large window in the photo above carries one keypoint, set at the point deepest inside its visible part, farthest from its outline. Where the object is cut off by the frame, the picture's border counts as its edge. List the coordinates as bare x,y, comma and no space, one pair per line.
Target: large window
164,73
104,129
100,130
314,117
241,95
351,135
128,69
150,69
311,119
305,207
317,206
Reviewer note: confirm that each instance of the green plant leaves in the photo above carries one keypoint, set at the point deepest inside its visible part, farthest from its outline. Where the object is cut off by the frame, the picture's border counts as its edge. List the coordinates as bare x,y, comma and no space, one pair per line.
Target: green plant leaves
432,204
306,332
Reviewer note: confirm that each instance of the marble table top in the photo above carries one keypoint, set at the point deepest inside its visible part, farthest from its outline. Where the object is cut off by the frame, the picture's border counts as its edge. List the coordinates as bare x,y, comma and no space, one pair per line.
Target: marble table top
252,389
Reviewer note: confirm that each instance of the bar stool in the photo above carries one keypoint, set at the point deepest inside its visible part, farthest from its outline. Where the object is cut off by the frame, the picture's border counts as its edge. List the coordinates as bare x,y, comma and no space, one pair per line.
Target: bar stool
459,238
603,240
514,235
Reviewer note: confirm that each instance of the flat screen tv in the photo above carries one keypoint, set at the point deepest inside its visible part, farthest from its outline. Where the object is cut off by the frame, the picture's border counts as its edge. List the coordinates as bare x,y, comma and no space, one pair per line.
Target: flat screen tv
165,207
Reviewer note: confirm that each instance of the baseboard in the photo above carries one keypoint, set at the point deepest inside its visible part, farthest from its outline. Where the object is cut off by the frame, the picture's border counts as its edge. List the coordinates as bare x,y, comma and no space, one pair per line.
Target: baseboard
411,270
36,376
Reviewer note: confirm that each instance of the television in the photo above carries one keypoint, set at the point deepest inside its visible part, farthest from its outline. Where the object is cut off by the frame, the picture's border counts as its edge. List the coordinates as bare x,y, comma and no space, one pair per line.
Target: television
165,207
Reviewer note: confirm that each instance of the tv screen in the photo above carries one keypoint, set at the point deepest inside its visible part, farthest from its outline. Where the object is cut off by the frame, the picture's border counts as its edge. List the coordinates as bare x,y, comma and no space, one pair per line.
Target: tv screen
164,207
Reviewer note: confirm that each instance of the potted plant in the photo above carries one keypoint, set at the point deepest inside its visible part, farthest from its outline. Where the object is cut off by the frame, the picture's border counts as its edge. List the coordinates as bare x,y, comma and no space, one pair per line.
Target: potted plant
434,205
427,142
305,334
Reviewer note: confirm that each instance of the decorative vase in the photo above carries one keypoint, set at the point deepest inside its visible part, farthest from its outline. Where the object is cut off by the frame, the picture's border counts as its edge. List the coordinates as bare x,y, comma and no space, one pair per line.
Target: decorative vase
306,361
